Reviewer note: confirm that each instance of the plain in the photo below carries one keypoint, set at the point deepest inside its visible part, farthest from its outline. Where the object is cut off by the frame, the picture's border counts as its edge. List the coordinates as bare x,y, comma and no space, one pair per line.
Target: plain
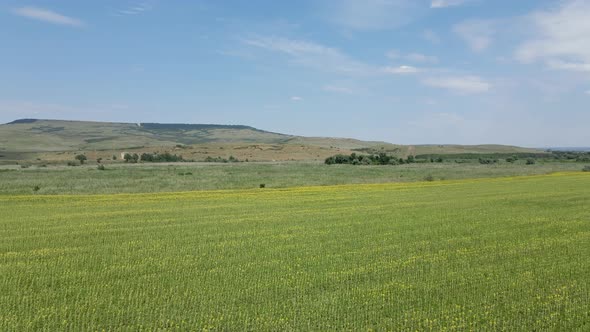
484,254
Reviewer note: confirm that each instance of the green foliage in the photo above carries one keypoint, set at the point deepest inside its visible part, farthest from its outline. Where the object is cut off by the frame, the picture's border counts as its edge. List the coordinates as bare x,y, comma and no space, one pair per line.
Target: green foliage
160,157
73,163
101,167
360,159
586,169
36,188
485,161
483,255
231,159
530,161
131,158
429,178
81,158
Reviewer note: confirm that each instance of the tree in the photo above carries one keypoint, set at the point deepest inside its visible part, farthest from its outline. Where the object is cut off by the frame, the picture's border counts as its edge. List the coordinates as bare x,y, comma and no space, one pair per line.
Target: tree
82,158
131,158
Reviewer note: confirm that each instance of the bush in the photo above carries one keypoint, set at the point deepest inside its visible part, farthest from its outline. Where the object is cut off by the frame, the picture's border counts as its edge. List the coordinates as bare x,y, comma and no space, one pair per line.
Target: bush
586,169
262,185
429,178
73,163
160,157
359,159
486,161
81,158
530,161
131,158
36,188
101,167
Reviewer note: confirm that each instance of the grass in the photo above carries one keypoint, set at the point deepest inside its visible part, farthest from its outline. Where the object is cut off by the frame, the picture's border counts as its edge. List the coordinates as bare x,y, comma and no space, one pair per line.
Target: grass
163,178
488,254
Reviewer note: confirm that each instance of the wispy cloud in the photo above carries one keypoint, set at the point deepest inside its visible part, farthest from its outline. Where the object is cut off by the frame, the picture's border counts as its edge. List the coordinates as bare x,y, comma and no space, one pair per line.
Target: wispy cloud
401,70
296,98
560,37
412,57
477,33
46,15
372,14
312,54
447,3
459,84
136,8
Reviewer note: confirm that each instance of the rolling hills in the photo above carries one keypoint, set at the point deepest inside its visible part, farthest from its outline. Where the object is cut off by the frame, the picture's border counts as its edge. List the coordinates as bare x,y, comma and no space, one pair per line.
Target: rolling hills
53,140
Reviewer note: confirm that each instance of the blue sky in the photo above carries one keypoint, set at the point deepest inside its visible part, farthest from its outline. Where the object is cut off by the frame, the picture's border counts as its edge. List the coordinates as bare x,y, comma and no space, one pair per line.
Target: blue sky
402,71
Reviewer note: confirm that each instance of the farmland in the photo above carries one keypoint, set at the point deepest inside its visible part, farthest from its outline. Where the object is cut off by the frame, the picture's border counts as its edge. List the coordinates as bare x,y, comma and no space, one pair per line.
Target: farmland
143,178
508,253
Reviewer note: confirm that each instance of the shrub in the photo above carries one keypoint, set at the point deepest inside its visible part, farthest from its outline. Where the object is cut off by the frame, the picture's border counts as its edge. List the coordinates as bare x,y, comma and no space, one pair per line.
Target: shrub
101,167
81,158
586,169
131,158
73,163
262,185
429,178
36,188
530,161
485,161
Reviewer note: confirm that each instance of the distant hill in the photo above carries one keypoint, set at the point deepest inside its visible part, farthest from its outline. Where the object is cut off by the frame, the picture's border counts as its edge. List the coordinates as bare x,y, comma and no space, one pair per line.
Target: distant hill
59,139
32,135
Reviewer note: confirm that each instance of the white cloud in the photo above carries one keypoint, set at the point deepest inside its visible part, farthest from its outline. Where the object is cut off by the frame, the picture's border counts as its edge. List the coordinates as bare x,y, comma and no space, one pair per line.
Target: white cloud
48,16
588,92
561,37
446,3
372,14
477,33
572,66
412,57
313,55
459,84
401,70
296,98
136,8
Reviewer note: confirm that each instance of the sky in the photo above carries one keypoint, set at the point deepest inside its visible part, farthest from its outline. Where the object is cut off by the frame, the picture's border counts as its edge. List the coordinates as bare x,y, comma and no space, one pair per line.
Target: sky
401,71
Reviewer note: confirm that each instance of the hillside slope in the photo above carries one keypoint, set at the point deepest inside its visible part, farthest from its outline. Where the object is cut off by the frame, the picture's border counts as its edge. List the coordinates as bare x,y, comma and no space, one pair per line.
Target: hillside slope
53,140
30,135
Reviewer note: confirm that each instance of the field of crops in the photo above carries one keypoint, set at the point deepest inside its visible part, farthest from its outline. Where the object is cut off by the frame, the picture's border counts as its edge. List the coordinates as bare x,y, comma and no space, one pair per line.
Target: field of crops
487,254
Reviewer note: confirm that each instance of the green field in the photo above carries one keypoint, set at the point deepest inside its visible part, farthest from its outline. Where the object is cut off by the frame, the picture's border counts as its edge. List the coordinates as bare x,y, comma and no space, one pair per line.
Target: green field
143,178
489,254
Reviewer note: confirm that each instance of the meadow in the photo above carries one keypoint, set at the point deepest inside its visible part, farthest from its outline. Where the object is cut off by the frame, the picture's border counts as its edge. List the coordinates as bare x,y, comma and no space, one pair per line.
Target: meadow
507,253
143,178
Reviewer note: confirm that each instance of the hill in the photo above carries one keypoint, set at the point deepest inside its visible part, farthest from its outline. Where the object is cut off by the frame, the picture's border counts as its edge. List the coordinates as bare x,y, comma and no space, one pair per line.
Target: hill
30,139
